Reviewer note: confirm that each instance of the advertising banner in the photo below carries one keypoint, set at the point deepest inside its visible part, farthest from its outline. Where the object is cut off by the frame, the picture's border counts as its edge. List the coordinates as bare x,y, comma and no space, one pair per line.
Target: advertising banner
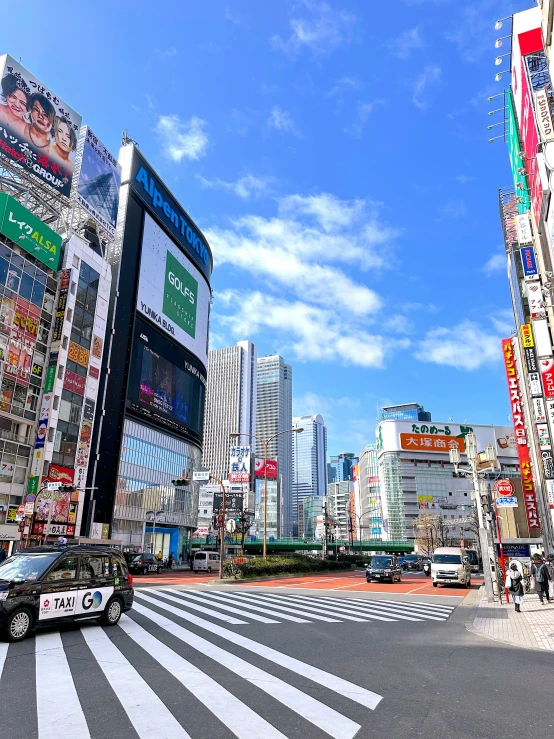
172,292
523,228
514,150
233,502
270,468
74,382
29,232
544,436
37,129
548,464
531,359
527,335
544,118
547,374
529,263
506,502
436,443
99,180
534,296
543,342
239,464
535,386
78,354
521,436
550,492
60,308
539,410
22,319
85,436
550,412
97,346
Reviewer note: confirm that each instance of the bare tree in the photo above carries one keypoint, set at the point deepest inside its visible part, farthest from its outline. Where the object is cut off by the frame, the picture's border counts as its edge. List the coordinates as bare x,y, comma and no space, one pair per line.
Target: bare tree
430,532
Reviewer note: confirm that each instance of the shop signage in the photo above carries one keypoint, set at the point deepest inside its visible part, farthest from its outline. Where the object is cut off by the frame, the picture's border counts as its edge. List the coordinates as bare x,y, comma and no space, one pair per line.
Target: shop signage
529,263
548,464
233,502
531,359
239,464
550,492
544,436
29,232
269,469
428,443
504,487
74,382
521,436
539,410
97,345
523,227
535,384
534,296
544,118
515,551
60,308
527,335
506,502
78,354
547,374
94,371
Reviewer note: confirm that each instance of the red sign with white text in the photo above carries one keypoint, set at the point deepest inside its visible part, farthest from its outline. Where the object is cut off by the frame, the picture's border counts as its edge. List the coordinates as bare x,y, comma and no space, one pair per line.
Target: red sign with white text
547,374
270,467
529,496
74,382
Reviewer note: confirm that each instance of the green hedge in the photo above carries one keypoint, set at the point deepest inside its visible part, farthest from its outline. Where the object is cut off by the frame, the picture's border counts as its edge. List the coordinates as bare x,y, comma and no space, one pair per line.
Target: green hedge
260,567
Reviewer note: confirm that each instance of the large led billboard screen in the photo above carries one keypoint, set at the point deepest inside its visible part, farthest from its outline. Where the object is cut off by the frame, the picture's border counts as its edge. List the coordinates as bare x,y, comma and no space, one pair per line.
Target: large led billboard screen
172,293
38,130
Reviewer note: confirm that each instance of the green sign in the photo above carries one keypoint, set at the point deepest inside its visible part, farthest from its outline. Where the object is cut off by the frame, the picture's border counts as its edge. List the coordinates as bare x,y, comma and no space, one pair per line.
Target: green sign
180,295
29,232
50,378
516,161
33,485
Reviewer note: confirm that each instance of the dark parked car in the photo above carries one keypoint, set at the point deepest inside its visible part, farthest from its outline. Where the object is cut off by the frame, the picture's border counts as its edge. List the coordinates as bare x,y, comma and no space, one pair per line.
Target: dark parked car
52,584
411,562
145,562
383,567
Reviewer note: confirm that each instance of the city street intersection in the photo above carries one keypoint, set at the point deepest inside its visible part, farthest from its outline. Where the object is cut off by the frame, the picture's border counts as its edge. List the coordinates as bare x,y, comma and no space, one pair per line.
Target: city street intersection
222,661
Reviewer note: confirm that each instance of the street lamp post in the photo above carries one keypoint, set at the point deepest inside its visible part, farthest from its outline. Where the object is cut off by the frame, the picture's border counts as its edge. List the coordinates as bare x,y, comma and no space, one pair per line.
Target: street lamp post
265,443
477,475
155,515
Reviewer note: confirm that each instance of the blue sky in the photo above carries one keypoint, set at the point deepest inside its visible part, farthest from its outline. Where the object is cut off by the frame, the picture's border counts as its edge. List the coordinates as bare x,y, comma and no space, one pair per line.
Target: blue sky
336,156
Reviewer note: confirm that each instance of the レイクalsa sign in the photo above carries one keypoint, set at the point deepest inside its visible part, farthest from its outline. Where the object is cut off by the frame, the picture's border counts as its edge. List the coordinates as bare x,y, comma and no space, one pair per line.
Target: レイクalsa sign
529,496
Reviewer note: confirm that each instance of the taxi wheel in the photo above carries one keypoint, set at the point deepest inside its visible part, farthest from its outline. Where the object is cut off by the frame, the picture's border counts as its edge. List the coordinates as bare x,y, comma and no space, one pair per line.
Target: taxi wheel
18,624
113,612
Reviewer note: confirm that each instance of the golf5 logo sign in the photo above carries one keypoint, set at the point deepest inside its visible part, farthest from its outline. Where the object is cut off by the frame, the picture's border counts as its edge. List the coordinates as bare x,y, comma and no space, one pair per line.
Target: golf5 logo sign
180,294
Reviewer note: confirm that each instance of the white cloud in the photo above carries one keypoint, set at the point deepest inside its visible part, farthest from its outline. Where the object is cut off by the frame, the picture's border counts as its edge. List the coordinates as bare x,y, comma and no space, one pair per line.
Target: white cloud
467,346
305,332
408,41
430,76
281,120
503,322
497,263
363,110
473,29
182,138
165,53
453,209
322,31
244,187
345,84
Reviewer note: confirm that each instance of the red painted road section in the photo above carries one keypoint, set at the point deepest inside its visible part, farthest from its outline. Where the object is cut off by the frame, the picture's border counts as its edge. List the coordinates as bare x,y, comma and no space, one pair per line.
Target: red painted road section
416,584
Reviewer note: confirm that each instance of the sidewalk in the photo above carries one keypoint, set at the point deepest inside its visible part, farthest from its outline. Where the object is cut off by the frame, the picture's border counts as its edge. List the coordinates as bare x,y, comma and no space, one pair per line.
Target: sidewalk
533,628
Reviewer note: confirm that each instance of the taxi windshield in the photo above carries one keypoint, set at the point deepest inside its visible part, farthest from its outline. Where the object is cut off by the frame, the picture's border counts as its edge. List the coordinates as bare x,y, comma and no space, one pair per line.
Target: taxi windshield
381,561
26,566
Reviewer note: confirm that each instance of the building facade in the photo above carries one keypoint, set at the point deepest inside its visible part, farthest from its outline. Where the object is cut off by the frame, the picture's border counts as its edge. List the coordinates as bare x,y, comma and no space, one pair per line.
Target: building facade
339,468
274,415
149,432
405,412
230,404
309,469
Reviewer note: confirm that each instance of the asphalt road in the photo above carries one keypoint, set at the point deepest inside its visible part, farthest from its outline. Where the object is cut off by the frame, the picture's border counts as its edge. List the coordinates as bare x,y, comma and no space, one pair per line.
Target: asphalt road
232,662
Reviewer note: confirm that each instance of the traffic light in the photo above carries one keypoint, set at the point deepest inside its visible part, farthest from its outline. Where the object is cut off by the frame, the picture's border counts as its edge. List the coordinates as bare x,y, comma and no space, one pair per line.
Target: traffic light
486,504
180,483
67,488
238,519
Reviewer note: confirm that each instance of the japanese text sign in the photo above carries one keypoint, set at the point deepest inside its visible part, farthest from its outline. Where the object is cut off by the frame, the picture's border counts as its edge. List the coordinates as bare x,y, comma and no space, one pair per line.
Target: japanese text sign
428,443
239,464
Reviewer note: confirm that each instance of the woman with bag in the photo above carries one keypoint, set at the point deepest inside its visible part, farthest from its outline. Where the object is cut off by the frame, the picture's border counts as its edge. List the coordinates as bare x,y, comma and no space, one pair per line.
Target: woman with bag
542,578
514,584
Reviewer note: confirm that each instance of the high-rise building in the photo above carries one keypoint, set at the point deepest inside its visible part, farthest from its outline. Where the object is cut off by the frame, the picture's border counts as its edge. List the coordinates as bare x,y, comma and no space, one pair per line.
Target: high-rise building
339,468
405,412
230,403
309,470
274,414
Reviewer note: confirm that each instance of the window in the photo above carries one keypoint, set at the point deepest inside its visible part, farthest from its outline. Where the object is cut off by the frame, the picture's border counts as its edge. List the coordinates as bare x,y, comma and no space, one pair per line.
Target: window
94,567
60,372
69,314
66,569
117,568
56,402
51,434
65,342
76,261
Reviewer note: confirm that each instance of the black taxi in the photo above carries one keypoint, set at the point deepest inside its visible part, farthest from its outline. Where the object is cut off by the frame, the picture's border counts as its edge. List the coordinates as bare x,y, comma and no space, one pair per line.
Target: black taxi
51,584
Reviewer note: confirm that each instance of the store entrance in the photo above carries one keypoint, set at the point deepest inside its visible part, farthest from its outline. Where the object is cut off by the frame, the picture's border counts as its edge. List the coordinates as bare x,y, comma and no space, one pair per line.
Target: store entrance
165,540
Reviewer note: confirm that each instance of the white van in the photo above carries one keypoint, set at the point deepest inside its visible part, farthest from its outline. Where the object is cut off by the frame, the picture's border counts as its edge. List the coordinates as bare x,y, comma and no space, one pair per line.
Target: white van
205,562
450,565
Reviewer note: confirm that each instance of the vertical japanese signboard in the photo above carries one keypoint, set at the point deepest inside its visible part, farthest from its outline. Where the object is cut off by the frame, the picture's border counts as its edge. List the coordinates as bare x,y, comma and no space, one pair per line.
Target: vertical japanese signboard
521,436
239,465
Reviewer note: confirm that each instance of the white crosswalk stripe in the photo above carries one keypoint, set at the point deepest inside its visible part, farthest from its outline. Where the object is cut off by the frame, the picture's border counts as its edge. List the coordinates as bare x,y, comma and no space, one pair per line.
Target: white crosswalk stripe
282,607
117,660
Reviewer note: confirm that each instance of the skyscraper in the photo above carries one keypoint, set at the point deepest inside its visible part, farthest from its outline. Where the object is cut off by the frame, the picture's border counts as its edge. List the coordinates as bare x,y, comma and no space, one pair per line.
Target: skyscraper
405,412
339,468
274,414
230,403
309,471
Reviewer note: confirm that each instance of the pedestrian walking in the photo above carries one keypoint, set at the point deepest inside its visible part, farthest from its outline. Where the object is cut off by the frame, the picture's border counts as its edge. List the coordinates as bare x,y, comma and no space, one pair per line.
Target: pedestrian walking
514,584
170,562
160,556
541,573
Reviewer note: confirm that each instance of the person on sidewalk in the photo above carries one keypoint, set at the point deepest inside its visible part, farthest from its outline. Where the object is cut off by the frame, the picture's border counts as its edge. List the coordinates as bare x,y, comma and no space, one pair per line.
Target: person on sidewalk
541,574
514,584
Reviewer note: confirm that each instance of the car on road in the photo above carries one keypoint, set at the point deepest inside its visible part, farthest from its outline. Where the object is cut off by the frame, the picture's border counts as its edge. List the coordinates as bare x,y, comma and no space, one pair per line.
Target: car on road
205,562
450,565
411,562
145,562
47,585
383,567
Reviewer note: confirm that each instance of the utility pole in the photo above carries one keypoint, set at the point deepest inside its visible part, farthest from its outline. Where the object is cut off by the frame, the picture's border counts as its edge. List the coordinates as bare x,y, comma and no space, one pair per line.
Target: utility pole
477,475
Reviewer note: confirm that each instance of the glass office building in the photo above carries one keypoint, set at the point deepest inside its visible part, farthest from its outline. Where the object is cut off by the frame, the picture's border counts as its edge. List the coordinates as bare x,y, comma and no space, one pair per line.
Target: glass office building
406,412
309,451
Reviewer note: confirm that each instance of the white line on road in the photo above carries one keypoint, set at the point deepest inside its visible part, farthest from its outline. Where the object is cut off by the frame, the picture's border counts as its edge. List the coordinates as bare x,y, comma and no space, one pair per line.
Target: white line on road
3,653
257,597
217,604
227,597
59,710
337,684
236,715
327,719
308,605
148,714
